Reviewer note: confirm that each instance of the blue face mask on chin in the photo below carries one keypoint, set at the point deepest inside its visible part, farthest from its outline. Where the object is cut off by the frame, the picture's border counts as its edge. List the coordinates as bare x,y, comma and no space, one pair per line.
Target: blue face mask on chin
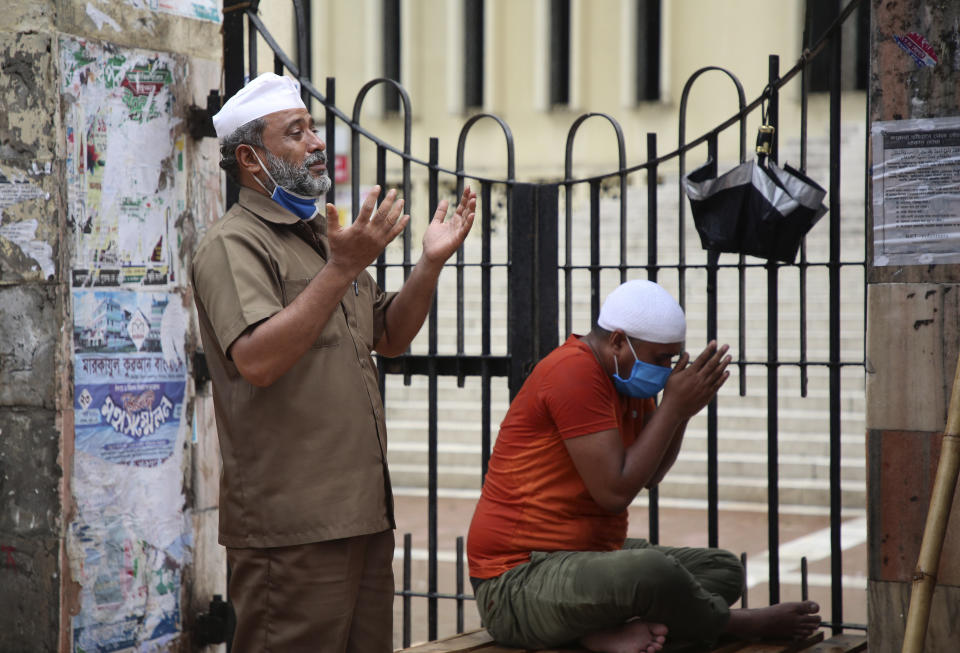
301,206
646,380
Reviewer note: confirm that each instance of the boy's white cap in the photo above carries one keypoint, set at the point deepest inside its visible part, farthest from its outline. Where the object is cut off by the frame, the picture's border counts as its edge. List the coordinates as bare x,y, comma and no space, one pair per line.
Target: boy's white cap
265,94
645,311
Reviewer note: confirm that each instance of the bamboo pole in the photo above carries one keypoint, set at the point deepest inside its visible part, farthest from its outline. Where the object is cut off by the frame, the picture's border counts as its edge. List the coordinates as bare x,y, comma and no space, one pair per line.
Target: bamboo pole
941,502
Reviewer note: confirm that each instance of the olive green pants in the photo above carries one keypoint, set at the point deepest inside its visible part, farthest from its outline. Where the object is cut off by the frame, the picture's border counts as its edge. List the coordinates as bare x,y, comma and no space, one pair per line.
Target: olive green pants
559,597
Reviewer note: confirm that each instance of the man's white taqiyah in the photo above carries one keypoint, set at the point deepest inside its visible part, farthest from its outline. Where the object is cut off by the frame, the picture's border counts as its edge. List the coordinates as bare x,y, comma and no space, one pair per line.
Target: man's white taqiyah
645,311
265,94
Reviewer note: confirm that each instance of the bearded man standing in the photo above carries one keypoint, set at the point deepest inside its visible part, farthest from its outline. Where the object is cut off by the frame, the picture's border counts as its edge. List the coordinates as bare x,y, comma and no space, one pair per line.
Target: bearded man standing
289,318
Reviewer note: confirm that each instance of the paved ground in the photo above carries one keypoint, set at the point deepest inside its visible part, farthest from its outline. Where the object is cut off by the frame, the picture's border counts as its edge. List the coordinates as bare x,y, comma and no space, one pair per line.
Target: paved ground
741,530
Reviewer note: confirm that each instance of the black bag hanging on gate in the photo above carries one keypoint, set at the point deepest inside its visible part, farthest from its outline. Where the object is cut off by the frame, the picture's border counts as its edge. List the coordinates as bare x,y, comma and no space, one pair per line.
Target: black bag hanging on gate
756,208
809,196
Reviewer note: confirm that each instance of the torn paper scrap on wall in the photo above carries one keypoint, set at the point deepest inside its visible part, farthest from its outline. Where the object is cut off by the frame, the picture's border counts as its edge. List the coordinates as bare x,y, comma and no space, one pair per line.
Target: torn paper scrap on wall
201,9
18,238
100,19
127,547
125,186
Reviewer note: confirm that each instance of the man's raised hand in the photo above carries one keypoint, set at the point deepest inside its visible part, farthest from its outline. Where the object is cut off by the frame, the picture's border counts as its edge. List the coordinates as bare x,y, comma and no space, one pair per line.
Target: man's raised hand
444,235
691,386
354,247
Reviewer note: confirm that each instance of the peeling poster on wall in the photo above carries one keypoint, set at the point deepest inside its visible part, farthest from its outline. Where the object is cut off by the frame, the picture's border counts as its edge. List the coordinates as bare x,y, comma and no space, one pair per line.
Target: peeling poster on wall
125,184
916,191
131,590
130,539
129,374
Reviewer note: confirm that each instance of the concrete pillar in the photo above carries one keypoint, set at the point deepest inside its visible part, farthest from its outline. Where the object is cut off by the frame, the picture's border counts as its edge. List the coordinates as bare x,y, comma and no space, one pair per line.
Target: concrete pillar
32,354
912,342
113,540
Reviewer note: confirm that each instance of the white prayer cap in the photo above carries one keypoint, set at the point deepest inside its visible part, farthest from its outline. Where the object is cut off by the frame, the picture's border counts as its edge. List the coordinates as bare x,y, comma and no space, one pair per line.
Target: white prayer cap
645,311
265,94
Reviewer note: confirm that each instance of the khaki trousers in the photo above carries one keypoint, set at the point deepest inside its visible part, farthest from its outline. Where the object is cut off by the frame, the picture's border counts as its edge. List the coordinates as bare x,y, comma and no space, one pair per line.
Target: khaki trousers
558,597
325,597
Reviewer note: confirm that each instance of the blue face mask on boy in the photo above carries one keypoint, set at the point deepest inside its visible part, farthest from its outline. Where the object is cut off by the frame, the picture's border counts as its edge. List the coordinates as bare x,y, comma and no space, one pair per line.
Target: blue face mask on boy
646,380
301,206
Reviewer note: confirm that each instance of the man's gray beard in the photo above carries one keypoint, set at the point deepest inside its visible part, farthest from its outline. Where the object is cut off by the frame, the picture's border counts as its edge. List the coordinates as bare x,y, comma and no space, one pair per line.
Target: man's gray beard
299,179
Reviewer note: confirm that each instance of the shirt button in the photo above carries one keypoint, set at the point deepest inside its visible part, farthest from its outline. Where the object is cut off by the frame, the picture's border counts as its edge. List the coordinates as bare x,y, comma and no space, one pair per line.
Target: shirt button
363,363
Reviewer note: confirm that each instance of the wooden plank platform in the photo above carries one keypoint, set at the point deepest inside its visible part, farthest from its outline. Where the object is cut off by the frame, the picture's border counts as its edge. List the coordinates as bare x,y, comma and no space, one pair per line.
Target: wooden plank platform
479,641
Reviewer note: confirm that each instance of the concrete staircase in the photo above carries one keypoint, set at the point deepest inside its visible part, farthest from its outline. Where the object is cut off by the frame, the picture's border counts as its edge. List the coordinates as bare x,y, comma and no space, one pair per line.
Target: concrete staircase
803,438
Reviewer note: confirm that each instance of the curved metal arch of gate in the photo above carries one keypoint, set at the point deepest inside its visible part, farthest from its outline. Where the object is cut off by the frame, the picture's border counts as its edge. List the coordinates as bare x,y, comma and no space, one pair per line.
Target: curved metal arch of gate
532,267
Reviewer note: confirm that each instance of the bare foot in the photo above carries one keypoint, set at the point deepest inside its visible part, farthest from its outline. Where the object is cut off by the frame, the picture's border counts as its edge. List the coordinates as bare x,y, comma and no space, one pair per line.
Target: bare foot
784,621
631,637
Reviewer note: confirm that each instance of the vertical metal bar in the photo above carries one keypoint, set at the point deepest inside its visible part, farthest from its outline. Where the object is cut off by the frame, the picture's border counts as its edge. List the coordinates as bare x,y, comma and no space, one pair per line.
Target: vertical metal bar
520,282
743,596
804,92
277,65
459,583
407,198
432,419
681,226
594,250
233,70
252,50
381,179
804,580
836,551
407,574
623,226
381,176
653,495
713,467
382,257
802,271
773,108
652,268
460,320
741,323
545,287
653,515
568,259
355,169
742,268
773,472
330,128
485,265
301,17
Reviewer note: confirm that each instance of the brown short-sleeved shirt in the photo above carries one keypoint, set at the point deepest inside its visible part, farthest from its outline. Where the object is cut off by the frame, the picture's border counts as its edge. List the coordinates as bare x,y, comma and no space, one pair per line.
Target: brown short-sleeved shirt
304,460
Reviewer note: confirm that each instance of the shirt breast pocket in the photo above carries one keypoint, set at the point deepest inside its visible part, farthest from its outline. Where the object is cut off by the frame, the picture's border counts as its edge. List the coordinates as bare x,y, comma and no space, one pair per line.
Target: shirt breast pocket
332,332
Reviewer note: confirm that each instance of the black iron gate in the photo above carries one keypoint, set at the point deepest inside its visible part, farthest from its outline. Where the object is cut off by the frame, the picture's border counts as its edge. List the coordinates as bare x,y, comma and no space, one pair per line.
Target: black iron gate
534,268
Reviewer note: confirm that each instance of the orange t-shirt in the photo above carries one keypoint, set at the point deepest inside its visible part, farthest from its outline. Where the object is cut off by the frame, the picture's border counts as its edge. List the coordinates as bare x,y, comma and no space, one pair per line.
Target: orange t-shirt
533,498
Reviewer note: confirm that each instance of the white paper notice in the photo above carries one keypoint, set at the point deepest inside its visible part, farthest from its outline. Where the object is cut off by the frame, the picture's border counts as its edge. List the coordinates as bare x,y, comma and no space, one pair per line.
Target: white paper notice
916,191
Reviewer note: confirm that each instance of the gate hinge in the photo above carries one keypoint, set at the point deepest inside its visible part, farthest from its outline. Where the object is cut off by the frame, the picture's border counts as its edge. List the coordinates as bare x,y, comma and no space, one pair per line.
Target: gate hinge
201,372
217,625
200,120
